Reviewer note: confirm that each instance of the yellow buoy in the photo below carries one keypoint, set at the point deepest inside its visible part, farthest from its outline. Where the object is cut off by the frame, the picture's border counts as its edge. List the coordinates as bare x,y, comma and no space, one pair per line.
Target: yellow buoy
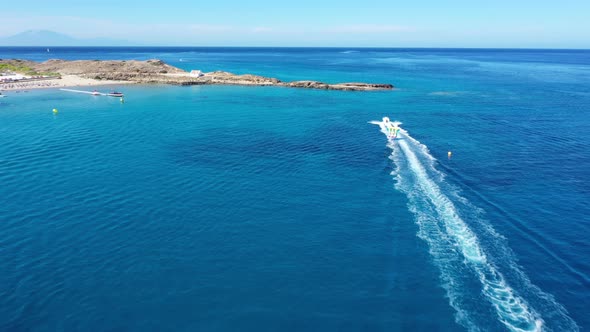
449,154
55,111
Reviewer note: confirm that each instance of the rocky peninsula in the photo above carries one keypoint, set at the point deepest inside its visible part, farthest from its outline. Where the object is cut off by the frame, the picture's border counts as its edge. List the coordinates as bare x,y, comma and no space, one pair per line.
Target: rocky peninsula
96,72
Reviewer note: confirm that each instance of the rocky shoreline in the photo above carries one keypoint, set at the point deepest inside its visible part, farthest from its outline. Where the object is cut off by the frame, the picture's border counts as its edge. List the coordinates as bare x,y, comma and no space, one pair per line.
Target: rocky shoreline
158,72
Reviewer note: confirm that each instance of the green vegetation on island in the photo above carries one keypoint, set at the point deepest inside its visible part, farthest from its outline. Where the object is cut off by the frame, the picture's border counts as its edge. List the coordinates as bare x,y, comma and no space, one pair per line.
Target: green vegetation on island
19,67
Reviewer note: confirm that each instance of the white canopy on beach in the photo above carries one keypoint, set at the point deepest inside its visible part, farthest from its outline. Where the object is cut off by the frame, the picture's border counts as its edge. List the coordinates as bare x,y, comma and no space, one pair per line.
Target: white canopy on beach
196,73
12,77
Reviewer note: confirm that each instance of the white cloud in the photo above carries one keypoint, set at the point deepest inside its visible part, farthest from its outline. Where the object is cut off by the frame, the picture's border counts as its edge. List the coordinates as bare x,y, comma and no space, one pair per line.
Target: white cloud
369,28
202,28
262,29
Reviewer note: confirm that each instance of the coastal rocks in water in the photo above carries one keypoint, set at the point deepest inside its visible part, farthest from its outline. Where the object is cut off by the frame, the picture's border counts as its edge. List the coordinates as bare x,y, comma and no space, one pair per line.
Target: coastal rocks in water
222,77
158,72
339,86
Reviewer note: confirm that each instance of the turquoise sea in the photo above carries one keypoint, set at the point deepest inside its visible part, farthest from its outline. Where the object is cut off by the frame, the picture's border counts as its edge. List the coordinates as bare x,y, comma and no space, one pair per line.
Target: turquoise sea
229,208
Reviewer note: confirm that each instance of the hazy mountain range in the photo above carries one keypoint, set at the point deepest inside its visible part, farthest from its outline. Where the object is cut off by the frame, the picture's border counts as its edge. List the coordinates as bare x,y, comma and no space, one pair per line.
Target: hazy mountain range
52,38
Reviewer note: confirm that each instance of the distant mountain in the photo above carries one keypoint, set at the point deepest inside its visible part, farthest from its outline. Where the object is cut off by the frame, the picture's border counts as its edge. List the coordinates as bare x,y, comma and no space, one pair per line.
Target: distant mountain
52,38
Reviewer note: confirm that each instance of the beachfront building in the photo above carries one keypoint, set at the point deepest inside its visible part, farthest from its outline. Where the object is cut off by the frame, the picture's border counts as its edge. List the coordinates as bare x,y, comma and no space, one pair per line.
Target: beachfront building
196,73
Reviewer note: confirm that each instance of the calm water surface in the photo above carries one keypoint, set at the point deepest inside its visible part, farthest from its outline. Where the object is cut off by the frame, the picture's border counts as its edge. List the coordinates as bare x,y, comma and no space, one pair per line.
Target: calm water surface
231,208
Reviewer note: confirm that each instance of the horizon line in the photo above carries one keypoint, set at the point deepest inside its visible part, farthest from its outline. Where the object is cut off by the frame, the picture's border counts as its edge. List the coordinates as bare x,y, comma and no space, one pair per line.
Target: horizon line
310,47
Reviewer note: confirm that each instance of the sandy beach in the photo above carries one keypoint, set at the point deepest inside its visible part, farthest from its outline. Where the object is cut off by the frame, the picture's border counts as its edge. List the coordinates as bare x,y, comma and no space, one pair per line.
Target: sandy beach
80,73
64,81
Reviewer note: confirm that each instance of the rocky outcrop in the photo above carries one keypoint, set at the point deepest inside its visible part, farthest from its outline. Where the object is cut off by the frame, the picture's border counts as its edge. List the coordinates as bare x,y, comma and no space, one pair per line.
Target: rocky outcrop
339,86
222,77
100,67
158,72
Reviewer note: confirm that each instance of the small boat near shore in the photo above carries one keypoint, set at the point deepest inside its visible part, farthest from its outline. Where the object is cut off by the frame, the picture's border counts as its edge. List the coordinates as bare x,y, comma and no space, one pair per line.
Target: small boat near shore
115,94
96,92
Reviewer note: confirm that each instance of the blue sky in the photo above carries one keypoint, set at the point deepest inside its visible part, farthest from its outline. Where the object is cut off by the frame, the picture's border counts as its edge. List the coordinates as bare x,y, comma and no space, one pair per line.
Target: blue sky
408,23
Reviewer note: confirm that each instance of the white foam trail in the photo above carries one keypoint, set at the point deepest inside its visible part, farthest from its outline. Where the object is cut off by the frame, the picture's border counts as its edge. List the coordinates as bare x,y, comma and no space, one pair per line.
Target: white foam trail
86,92
441,223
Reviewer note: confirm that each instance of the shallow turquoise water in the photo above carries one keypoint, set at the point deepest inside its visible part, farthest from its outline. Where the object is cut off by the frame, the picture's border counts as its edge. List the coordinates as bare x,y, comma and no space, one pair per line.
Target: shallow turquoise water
259,208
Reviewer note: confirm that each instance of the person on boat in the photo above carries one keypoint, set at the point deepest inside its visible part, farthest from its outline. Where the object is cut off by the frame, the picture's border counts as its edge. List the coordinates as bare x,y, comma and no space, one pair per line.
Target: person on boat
394,130
389,126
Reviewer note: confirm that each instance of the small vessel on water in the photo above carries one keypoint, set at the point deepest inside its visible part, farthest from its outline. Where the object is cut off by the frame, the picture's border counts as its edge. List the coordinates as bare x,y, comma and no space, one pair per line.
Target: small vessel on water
392,128
388,127
115,94
97,93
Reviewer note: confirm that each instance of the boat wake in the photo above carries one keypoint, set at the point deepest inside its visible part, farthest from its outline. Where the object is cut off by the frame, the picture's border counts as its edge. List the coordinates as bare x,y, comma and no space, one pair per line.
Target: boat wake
443,217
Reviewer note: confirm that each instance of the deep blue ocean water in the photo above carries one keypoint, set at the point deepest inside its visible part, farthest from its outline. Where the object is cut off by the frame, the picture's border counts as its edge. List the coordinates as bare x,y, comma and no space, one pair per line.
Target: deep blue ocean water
227,208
